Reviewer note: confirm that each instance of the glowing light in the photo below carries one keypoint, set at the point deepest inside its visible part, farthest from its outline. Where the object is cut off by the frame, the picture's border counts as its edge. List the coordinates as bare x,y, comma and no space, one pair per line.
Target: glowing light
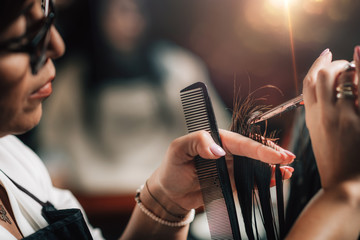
281,4
265,16
277,3
292,44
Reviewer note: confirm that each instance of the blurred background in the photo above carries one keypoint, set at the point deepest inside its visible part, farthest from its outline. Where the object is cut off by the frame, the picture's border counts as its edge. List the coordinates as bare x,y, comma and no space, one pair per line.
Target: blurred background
116,107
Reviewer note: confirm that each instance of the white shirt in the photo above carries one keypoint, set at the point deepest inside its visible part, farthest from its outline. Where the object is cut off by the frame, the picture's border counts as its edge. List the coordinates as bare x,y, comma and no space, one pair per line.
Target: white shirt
22,165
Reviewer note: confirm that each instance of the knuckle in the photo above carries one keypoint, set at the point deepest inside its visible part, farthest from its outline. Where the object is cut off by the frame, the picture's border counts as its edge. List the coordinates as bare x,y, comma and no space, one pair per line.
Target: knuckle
202,135
310,81
201,141
322,75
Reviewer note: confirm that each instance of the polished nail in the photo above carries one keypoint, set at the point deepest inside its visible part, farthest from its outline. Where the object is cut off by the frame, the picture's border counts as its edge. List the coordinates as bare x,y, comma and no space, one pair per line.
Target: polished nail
357,54
217,150
272,182
290,169
284,156
325,52
290,154
289,173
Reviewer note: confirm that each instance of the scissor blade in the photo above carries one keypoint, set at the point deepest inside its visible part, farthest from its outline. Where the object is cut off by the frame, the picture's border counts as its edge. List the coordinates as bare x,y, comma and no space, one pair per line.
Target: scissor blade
284,107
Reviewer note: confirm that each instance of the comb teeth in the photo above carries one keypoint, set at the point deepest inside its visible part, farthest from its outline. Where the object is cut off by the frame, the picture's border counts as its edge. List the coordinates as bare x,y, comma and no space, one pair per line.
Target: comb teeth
208,171
194,106
212,174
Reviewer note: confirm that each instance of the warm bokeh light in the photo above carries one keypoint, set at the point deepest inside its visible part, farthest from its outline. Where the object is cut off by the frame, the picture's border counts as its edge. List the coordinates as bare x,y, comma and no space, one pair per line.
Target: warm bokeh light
277,3
291,37
314,6
264,16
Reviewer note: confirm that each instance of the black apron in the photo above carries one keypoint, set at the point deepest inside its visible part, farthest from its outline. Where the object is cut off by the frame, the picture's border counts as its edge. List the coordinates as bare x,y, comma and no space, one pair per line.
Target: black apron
63,224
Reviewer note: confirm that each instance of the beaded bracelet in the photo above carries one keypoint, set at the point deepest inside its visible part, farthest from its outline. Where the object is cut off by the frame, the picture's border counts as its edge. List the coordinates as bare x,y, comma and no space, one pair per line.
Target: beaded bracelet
150,214
163,207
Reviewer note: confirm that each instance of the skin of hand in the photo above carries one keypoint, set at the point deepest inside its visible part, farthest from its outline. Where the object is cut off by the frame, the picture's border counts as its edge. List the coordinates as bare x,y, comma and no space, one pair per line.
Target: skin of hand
334,124
175,181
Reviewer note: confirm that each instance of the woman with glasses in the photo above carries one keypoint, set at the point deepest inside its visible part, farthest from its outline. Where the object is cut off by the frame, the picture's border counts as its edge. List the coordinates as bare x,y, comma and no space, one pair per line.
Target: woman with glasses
31,208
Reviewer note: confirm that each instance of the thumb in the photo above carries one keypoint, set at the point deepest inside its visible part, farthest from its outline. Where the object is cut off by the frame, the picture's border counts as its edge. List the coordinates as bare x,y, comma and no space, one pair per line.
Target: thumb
197,143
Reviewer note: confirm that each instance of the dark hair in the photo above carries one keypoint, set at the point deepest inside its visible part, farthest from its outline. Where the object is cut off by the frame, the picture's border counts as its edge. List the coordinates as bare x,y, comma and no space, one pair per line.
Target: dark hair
252,177
9,11
305,181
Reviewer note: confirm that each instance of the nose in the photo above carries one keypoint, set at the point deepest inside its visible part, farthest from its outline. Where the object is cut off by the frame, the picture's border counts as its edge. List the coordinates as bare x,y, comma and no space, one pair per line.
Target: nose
56,46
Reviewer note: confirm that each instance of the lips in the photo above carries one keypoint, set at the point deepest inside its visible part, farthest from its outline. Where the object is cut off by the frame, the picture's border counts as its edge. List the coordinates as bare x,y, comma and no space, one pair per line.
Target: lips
43,92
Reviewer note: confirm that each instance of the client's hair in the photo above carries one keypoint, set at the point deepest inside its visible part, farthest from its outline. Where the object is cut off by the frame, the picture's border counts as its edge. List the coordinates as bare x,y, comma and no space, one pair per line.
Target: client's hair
305,181
253,177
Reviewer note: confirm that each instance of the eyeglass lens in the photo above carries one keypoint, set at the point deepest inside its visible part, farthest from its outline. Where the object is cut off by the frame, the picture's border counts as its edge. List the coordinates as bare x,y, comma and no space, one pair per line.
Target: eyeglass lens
41,40
45,7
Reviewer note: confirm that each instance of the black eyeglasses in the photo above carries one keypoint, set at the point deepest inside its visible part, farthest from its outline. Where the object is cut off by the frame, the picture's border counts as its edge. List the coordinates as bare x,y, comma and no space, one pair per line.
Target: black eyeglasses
36,41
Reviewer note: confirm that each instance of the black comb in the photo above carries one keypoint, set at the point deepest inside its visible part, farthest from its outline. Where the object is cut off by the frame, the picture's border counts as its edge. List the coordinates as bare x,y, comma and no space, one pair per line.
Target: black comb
212,174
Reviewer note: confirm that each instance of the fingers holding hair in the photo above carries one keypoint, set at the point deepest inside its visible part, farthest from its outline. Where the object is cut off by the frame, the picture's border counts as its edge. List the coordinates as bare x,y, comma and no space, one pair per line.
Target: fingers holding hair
286,172
201,143
237,144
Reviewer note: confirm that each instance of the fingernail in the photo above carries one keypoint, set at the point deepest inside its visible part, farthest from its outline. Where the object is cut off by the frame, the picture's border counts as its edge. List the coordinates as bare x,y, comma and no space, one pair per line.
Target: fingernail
325,52
357,53
290,173
290,154
217,150
290,169
272,182
284,156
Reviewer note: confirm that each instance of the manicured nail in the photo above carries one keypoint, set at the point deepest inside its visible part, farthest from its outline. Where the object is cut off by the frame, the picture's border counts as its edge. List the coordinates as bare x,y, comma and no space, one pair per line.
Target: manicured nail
217,150
290,154
272,182
325,52
357,54
289,173
284,156
290,169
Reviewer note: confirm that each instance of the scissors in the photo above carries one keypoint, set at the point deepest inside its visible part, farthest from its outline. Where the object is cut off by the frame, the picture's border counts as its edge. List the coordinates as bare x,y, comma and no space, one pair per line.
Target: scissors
282,108
288,105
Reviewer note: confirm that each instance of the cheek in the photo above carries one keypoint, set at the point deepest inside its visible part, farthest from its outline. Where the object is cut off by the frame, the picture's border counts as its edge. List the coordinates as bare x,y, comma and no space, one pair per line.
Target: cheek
13,67
16,115
13,80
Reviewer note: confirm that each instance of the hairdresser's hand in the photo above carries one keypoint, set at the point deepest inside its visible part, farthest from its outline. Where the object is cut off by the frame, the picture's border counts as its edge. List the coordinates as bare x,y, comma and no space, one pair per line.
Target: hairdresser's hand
334,124
176,179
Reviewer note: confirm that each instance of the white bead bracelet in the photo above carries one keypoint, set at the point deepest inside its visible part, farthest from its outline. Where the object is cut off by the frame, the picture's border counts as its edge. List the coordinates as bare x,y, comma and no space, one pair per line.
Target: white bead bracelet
150,214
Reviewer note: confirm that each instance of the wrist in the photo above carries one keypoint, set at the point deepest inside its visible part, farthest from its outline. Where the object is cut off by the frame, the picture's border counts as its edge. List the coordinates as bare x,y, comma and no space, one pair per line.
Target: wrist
162,206
185,220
